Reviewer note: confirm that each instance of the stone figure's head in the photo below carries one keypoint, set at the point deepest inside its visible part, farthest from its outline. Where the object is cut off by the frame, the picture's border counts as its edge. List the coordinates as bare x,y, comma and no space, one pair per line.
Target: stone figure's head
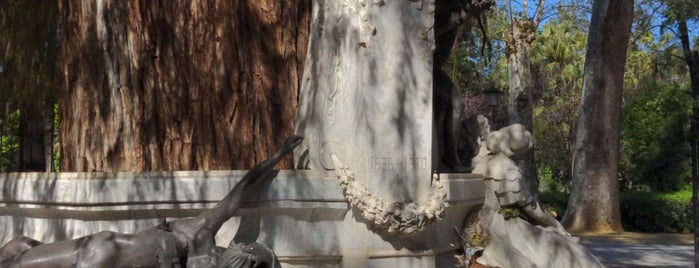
483,126
511,140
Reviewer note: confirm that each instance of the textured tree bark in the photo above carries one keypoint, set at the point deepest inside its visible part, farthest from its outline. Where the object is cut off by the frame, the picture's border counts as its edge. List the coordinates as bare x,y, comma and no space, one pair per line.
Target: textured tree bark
520,104
178,85
594,201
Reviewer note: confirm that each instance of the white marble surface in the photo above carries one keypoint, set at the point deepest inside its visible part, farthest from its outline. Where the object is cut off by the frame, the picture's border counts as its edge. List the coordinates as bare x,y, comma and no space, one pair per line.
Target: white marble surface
366,93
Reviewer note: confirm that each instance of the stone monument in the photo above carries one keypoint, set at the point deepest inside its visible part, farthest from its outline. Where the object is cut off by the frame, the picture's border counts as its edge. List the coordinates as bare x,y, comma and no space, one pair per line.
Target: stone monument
364,193
366,109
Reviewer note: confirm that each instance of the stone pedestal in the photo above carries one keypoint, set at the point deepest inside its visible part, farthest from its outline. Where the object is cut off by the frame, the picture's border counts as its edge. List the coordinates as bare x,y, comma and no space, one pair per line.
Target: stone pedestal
367,94
367,99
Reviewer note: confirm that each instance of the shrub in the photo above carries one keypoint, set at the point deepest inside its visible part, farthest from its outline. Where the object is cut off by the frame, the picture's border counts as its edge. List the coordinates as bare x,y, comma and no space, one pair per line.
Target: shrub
641,211
657,212
655,150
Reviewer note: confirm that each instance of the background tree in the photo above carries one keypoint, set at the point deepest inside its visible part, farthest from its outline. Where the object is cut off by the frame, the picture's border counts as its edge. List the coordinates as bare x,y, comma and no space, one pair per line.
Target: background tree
655,135
594,201
558,56
682,11
28,83
178,85
474,64
655,144
520,101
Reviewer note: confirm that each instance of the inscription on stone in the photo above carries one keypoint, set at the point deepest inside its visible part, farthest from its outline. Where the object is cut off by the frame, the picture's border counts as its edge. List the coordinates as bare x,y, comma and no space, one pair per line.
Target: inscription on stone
417,163
414,163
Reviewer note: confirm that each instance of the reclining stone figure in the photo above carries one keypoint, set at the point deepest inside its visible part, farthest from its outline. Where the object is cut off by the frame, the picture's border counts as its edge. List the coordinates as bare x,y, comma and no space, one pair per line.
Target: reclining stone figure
504,181
515,242
184,242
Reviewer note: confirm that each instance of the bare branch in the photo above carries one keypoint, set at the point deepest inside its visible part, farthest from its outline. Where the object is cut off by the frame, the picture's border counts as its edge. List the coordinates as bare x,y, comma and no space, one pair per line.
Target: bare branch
539,13
525,7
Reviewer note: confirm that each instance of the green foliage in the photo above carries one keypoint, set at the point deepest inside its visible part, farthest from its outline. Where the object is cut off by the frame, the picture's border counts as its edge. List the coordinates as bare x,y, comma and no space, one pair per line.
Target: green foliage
657,212
56,163
641,211
655,139
656,108
476,237
9,142
511,212
558,59
655,115
472,66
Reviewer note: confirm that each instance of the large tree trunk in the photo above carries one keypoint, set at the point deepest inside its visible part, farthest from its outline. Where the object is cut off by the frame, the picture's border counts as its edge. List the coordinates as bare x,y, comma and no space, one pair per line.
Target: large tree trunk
690,57
178,85
594,201
29,42
692,60
520,104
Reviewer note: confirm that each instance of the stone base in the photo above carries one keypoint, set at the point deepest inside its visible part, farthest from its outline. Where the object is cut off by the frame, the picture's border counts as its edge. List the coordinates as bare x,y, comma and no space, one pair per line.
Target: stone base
517,243
301,215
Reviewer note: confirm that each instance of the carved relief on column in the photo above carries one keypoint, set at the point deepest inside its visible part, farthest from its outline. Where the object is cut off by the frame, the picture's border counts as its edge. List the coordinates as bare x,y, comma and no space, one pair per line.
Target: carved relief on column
367,94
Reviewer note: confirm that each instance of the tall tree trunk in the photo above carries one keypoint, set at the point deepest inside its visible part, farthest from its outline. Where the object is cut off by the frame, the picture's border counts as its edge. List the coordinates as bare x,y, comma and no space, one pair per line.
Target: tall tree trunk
692,60
690,57
29,69
594,201
178,85
520,104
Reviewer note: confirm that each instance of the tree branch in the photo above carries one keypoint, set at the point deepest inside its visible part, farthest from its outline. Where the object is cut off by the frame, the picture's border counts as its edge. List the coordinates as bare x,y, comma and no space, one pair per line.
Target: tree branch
539,13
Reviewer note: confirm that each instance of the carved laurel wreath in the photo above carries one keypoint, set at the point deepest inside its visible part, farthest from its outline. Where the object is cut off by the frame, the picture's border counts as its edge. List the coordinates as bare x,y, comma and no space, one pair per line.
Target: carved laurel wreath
397,217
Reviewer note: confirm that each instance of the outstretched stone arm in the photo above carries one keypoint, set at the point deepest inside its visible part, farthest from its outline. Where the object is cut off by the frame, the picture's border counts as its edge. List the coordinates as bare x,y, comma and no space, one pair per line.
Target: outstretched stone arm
198,233
224,209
